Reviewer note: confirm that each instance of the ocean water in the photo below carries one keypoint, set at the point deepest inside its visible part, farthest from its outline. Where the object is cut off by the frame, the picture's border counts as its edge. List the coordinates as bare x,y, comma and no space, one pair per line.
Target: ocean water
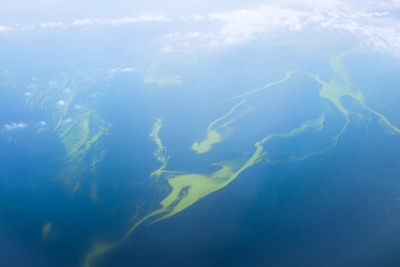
292,167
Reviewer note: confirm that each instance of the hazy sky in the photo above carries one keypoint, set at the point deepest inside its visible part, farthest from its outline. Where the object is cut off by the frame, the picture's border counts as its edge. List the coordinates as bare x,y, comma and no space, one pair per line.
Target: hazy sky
221,23
28,11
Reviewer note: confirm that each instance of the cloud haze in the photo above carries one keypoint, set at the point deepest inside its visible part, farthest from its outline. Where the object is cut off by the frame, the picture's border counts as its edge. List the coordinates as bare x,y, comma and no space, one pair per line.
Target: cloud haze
15,126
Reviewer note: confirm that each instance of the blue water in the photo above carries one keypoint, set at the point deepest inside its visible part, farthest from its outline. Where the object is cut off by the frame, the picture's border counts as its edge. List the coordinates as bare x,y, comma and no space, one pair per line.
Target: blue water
336,208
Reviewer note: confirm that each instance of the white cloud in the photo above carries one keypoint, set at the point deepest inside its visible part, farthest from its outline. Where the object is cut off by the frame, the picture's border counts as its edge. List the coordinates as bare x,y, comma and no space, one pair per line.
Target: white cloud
52,24
185,41
5,29
166,49
121,21
237,27
41,126
126,69
28,28
61,103
387,5
15,125
67,121
191,18
374,25
374,22
148,17
83,22
245,24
